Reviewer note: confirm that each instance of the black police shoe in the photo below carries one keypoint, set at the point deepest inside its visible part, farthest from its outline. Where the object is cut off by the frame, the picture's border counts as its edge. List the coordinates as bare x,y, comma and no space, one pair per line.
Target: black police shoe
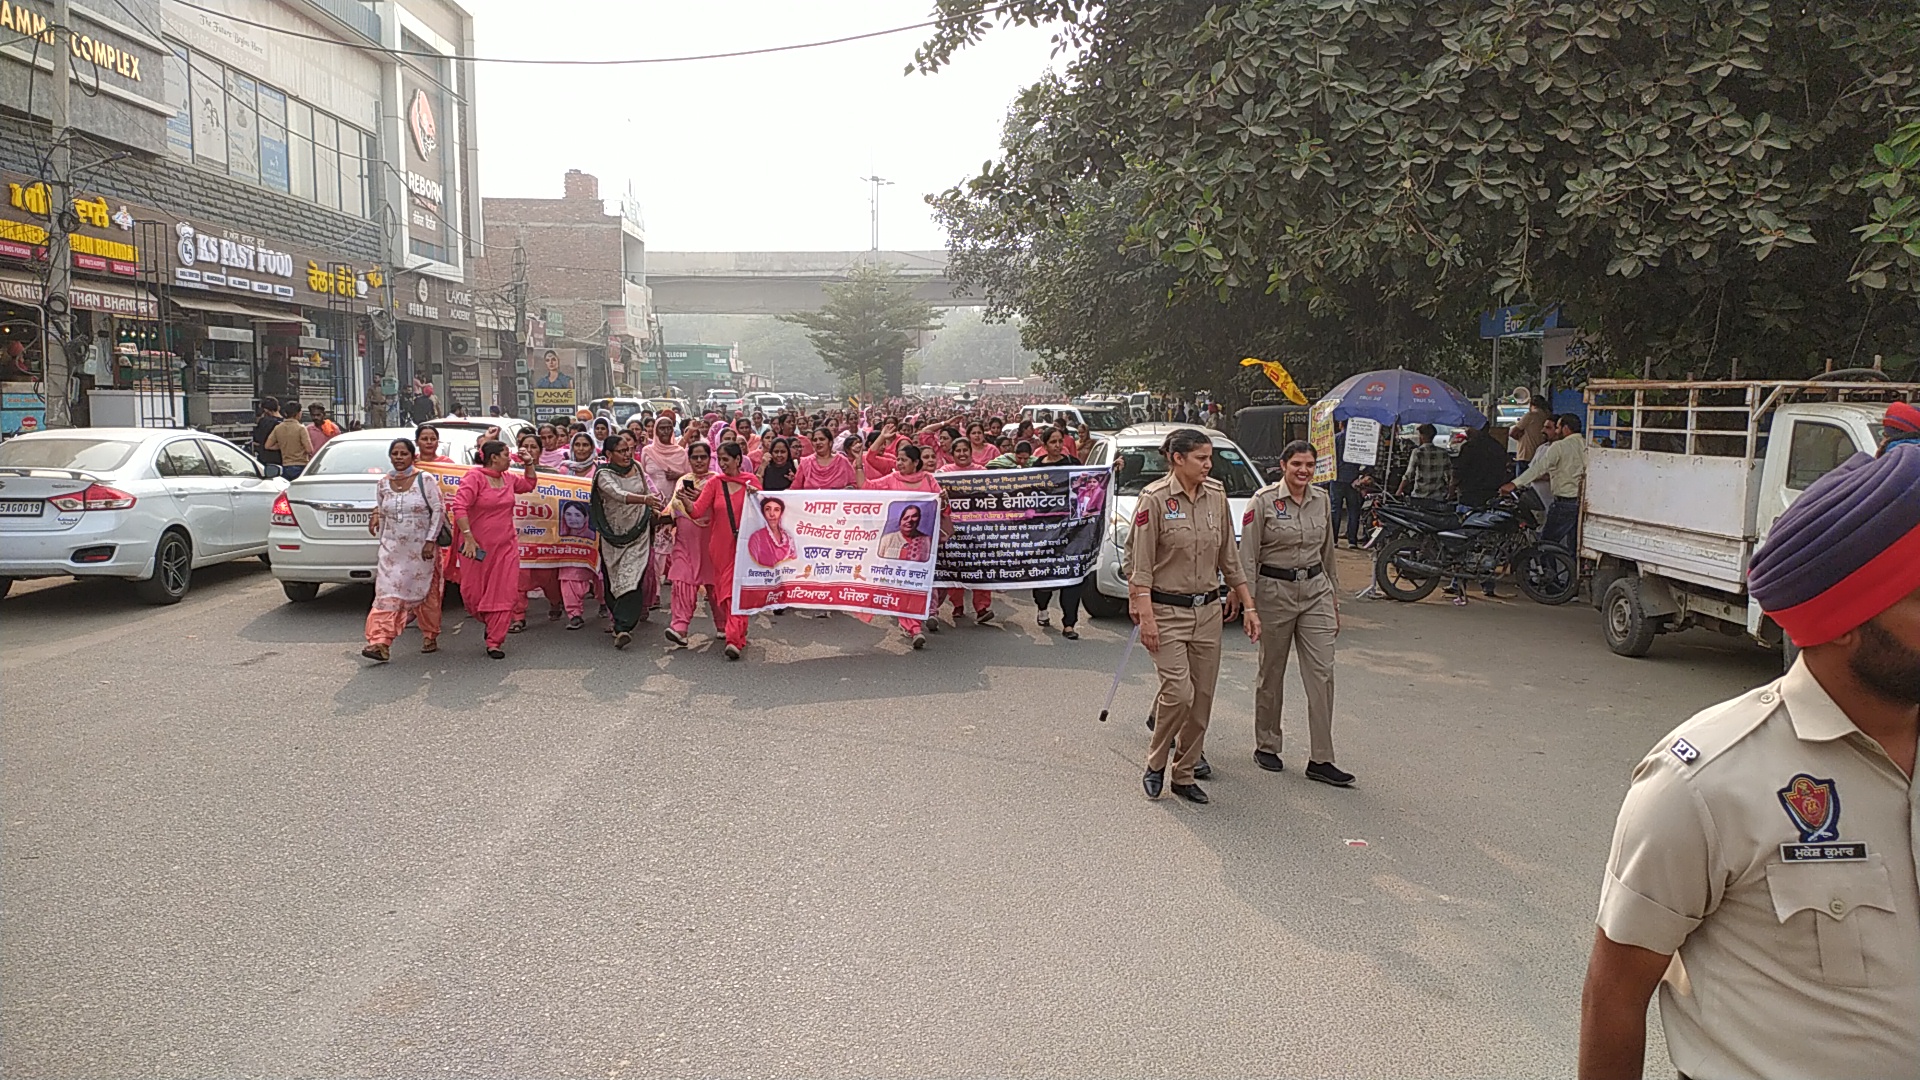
1328,773
1153,781
1203,771
1269,761
1191,793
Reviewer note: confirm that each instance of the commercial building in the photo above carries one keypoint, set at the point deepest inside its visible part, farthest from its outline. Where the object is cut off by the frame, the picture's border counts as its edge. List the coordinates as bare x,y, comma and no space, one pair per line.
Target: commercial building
268,199
578,267
696,369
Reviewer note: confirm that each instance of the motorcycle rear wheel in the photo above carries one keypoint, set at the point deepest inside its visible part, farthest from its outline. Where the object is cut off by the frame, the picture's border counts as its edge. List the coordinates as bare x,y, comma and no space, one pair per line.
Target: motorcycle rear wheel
1395,580
1547,575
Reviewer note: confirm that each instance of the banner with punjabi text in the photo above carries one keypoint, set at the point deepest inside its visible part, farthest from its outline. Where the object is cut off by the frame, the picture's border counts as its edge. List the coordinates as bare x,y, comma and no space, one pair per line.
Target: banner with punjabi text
865,552
1023,528
552,521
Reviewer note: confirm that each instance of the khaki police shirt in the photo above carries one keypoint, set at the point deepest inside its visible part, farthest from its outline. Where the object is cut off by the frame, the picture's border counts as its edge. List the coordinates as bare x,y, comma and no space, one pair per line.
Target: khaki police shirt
1181,544
1290,534
1771,845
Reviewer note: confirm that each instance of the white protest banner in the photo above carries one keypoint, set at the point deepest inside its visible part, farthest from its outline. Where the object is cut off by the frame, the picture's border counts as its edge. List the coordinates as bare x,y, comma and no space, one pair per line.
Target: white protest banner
1363,442
860,551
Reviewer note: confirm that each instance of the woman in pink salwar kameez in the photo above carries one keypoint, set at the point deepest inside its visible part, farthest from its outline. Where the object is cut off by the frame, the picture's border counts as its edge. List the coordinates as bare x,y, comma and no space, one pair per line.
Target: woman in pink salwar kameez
489,546
909,474
689,569
722,502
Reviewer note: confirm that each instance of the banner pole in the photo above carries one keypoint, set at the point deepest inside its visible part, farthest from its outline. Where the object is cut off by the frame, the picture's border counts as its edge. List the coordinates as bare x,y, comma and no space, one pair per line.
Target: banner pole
1124,657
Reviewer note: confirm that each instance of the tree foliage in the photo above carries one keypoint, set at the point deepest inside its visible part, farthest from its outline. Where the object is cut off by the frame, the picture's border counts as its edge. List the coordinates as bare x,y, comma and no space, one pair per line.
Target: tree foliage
867,327
1695,180
969,347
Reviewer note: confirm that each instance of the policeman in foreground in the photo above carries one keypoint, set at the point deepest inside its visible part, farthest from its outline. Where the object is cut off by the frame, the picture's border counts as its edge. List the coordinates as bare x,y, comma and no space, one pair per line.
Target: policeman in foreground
1181,547
1762,873
1286,549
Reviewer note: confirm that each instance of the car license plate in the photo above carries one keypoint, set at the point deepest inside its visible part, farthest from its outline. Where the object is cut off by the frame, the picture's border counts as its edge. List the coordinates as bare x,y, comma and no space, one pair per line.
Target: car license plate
22,508
338,519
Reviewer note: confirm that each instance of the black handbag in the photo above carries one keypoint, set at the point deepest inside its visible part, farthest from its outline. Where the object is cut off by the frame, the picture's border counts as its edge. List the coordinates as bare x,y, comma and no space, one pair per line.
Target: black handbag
445,537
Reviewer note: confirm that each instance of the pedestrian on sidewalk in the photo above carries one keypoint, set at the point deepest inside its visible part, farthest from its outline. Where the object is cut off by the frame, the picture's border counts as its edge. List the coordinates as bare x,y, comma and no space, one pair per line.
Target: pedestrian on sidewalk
489,548
1286,549
290,440
1768,843
1180,548
407,516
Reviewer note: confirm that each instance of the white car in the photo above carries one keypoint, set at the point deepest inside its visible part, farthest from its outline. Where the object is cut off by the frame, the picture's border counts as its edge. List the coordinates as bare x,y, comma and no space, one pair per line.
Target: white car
319,531
146,504
722,402
1101,420
1135,456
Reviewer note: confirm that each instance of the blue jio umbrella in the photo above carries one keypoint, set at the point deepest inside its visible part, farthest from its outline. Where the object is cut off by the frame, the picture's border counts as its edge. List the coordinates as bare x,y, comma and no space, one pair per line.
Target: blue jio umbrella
1399,396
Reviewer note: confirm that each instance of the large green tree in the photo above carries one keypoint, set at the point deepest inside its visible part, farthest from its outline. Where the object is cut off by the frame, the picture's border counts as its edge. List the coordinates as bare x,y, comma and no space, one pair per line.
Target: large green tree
1689,177
867,327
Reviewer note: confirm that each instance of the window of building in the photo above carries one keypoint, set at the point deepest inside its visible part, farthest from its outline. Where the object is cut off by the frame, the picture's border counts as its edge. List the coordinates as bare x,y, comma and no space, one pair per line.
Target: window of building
228,121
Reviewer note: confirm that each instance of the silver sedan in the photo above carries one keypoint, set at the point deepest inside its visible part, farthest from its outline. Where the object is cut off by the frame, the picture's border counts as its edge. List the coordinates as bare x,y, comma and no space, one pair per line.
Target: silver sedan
149,505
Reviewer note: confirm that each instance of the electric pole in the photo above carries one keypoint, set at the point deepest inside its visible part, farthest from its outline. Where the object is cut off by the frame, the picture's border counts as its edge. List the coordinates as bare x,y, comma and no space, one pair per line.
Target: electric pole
522,370
873,204
57,350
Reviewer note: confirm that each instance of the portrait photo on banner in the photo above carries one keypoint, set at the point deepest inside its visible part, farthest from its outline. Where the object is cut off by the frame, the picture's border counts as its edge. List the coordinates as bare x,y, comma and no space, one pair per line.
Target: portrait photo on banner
908,536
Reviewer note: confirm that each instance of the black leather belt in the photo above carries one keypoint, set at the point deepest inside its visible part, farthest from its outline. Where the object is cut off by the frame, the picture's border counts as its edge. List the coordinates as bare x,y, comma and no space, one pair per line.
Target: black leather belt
1187,599
1283,574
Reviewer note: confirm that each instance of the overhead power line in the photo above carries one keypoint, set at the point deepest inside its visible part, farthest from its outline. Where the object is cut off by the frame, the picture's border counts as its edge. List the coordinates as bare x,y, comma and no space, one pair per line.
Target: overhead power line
599,63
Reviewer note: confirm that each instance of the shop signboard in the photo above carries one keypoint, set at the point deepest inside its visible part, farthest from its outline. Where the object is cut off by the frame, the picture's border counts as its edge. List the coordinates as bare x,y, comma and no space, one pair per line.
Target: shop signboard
103,243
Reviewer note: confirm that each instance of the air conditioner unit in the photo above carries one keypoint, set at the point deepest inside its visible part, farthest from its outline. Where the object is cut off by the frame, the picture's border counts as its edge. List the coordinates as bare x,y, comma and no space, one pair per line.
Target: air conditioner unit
458,344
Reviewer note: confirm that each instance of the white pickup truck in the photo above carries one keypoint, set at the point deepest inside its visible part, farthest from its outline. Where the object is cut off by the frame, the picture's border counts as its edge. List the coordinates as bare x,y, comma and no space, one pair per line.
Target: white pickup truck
1684,480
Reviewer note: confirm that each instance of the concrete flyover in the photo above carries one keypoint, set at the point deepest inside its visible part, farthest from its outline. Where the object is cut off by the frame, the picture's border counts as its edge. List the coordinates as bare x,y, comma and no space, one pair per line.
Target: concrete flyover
776,282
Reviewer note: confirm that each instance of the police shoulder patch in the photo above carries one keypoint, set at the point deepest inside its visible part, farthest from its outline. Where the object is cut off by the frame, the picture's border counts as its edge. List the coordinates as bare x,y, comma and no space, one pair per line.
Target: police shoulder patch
1684,750
1143,516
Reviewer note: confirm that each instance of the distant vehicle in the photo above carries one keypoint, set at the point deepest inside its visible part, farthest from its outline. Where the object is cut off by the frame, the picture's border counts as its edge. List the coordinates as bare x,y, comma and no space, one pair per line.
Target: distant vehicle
1685,481
144,504
721,400
622,408
677,405
768,403
1447,437
459,438
1102,420
1265,430
1135,455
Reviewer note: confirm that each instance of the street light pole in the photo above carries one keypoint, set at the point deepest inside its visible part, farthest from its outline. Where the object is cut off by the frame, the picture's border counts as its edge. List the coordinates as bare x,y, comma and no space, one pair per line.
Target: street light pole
874,205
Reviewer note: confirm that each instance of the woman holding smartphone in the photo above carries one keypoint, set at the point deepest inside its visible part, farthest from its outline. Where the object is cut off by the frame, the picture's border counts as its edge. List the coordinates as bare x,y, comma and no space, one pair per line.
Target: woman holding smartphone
489,550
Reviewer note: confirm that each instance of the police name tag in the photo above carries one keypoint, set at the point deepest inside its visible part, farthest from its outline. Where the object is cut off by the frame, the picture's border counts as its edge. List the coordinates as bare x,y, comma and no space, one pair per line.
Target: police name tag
1842,852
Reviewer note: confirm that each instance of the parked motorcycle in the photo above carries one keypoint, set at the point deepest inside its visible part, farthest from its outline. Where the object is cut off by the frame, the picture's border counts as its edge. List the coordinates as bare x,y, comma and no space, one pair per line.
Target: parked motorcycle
1422,546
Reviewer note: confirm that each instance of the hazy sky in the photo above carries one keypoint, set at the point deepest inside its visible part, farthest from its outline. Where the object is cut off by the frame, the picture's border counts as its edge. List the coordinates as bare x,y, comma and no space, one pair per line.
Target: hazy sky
756,153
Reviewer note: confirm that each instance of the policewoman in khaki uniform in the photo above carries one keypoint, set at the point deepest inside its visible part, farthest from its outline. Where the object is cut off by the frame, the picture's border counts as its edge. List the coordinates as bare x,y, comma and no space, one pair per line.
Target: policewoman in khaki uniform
1763,865
1286,548
1180,549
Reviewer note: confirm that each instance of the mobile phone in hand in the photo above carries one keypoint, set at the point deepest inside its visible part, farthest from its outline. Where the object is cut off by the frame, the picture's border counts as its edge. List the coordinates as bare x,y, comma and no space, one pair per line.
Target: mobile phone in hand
479,554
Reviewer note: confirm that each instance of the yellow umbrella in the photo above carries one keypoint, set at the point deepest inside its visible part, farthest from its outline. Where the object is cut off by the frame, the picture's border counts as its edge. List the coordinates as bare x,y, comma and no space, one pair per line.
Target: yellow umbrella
1280,378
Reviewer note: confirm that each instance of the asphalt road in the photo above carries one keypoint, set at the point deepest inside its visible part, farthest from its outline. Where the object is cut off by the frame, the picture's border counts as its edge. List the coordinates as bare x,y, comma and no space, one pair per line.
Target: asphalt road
233,848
